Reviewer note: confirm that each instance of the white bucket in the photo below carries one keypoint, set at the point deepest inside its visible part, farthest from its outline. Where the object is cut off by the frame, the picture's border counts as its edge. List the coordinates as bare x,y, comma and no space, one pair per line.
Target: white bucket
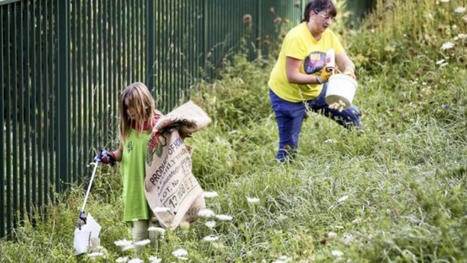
341,87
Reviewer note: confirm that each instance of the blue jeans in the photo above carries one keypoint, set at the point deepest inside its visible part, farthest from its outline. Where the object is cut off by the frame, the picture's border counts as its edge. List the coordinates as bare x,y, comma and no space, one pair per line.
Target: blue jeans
290,115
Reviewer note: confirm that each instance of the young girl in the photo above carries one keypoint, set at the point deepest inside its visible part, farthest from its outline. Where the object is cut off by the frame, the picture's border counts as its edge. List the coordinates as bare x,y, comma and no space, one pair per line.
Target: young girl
137,117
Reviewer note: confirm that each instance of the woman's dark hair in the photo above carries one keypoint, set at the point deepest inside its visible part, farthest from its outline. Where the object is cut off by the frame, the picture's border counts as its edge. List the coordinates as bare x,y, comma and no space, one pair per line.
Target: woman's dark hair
318,6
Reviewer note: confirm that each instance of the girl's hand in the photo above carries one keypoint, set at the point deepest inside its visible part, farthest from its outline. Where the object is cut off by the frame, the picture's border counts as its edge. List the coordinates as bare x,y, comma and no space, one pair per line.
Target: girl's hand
105,157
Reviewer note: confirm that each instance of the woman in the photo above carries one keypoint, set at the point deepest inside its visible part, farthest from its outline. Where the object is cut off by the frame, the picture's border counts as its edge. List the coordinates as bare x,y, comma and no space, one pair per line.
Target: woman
299,79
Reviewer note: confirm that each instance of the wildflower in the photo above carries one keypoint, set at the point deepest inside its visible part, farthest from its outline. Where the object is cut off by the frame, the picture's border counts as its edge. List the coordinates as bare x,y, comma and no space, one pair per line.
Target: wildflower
210,194
129,247
136,260
460,10
154,259
178,253
161,209
205,212
224,217
330,141
331,235
210,224
460,36
356,220
282,259
277,20
210,238
96,254
444,1
347,240
247,19
337,253
122,259
252,200
447,45
440,62
122,243
159,230
142,243
342,199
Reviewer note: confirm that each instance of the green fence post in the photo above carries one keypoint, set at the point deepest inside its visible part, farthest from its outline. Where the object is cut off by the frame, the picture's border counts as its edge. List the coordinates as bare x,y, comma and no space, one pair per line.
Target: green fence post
205,36
258,28
150,45
62,92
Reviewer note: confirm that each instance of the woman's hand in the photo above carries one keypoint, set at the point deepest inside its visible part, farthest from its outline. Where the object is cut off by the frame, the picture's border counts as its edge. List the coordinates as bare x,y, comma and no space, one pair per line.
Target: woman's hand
345,65
326,73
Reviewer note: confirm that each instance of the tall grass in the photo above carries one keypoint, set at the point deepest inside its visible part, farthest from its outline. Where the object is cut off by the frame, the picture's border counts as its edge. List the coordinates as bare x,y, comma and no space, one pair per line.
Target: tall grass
396,193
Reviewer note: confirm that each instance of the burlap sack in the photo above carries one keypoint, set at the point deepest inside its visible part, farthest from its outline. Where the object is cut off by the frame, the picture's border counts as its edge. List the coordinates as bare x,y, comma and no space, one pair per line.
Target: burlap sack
170,184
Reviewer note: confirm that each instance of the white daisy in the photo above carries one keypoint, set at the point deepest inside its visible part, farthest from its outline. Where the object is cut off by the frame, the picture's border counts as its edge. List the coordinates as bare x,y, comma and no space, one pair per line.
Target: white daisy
178,253
136,260
283,259
347,240
159,230
460,10
447,45
331,235
122,243
440,62
96,254
342,199
129,247
206,212
460,36
210,224
210,194
337,253
142,243
154,259
252,200
210,238
444,1
356,221
122,259
224,217
330,141
161,209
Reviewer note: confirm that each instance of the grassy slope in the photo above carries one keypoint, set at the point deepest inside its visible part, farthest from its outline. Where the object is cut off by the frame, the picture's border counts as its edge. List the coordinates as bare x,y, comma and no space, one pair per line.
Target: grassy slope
404,178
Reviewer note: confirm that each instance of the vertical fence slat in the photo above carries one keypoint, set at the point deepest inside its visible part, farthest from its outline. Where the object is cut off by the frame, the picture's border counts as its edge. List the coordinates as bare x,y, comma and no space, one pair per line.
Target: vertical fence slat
21,109
15,113
63,90
3,46
150,45
29,127
8,114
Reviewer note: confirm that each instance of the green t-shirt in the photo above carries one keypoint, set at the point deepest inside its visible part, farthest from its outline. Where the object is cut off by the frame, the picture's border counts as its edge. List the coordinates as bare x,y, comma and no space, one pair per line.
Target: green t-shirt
301,45
133,172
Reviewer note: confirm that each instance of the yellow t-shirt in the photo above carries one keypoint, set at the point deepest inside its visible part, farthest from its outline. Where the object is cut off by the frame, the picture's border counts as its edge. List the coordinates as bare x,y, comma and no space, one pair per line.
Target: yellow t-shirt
300,44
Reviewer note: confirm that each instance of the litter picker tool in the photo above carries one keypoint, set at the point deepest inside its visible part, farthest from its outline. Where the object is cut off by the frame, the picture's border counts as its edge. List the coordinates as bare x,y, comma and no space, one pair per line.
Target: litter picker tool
88,229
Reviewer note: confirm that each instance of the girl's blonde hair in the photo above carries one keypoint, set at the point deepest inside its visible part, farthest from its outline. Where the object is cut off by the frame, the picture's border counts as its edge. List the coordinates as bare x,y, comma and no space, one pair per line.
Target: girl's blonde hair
137,97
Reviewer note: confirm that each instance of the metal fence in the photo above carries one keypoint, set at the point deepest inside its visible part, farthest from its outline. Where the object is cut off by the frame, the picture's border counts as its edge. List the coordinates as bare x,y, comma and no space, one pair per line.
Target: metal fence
63,63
